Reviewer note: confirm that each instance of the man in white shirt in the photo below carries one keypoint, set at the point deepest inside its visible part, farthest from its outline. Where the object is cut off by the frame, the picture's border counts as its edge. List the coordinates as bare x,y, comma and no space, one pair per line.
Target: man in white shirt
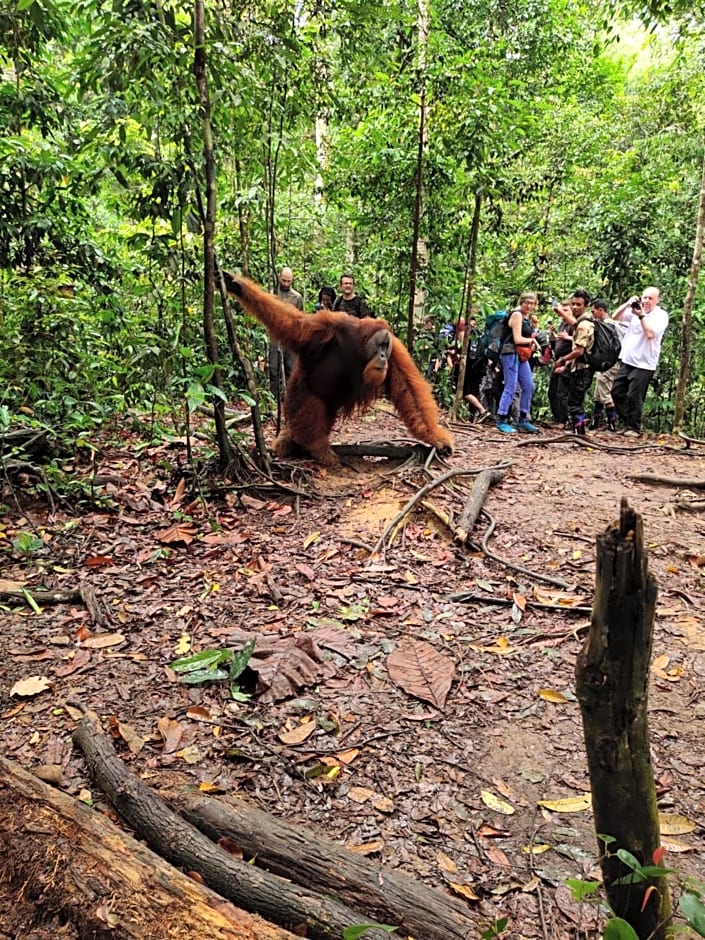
641,347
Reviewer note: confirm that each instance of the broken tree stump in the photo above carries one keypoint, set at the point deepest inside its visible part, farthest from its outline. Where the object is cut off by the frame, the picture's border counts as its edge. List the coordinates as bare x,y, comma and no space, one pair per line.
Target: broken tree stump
310,859
75,864
473,504
178,842
612,678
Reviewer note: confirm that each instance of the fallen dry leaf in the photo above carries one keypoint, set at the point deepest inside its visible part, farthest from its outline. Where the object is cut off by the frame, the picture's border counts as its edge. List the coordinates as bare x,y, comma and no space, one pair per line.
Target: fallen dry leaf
417,668
495,804
180,532
171,733
101,641
298,733
673,824
32,685
571,804
551,695
367,848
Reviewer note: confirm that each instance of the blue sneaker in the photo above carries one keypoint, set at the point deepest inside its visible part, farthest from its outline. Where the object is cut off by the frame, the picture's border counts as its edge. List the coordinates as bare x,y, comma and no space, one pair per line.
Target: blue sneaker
528,427
505,428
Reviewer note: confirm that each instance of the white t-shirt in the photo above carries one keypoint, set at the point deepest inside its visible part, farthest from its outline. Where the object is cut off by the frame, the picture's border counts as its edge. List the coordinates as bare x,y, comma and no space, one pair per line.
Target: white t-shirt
637,349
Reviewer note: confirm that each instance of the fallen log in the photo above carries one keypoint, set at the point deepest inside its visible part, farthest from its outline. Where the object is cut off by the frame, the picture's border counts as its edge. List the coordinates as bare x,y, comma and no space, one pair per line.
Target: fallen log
77,866
310,859
179,843
474,502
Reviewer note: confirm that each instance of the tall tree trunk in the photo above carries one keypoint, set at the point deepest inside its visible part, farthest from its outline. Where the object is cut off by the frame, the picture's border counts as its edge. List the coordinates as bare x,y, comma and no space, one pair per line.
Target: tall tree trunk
686,336
199,68
419,245
468,293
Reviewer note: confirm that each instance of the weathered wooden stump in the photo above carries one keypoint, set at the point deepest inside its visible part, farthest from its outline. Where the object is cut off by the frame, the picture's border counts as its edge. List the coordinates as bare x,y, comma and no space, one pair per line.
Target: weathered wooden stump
612,678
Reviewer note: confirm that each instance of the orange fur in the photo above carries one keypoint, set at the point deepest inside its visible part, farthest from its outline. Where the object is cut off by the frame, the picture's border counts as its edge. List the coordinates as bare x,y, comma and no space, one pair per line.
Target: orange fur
332,375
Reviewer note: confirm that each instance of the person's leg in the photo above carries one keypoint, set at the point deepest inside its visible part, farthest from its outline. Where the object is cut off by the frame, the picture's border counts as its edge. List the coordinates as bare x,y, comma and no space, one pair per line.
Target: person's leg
471,390
580,382
638,385
620,390
526,383
510,373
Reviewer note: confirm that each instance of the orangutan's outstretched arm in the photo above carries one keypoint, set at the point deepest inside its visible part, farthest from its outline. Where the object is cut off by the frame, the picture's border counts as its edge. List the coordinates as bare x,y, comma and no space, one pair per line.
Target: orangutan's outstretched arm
286,325
413,398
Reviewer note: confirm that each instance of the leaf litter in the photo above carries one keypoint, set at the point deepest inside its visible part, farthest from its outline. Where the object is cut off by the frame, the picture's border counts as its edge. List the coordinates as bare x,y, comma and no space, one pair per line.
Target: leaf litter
421,731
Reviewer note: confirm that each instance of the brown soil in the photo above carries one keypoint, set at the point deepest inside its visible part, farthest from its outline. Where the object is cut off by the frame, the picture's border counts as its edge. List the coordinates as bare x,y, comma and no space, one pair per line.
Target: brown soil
414,786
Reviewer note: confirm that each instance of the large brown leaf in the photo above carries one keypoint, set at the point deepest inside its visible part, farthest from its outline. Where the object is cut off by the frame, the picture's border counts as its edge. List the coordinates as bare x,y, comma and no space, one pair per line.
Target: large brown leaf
417,668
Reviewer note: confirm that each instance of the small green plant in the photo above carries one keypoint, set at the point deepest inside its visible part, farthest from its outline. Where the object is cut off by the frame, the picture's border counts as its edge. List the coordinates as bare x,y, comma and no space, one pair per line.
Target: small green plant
26,543
496,929
690,903
210,665
359,930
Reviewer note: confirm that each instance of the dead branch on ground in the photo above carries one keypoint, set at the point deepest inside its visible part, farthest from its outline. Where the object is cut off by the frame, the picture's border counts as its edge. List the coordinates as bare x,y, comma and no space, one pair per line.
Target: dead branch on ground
179,843
473,504
546,578
423,492
307,858
680,482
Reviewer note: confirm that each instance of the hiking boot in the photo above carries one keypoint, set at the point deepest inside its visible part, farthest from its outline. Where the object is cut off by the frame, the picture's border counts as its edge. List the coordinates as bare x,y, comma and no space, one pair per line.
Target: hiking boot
612,426
528,427
580,429
596,422
505,428
482,416
632,432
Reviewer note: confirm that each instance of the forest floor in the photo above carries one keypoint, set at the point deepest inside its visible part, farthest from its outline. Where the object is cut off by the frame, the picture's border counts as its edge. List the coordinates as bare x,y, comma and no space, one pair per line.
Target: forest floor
447,791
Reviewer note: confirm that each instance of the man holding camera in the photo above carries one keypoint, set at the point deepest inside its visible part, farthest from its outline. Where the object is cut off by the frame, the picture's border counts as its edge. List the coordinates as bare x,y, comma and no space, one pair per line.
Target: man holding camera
641,347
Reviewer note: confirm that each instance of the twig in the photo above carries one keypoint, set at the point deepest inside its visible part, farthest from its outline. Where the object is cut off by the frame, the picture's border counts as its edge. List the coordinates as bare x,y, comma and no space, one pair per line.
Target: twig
559,582
690,440
420,494
667,481
468,596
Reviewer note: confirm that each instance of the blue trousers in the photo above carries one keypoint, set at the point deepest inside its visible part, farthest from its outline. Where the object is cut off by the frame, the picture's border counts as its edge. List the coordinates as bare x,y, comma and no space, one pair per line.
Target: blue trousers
516,373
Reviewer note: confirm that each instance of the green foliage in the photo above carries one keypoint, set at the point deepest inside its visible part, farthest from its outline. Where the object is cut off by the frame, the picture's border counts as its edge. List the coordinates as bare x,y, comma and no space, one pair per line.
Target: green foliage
359,930
27,543
585,150
690,903
691,906
211,665
618,929
496,929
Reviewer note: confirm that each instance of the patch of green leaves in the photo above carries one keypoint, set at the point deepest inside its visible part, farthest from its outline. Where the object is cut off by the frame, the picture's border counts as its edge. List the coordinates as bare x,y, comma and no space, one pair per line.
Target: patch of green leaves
495,929
212,665
359,930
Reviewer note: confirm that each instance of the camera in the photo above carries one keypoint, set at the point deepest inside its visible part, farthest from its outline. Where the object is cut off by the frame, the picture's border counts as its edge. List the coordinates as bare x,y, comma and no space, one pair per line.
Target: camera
636,305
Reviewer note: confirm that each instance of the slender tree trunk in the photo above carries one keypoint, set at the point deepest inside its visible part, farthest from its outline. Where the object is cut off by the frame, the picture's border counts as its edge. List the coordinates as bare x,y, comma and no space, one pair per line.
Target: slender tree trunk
243,222
419,245
417,250
199,67
686,336
468,291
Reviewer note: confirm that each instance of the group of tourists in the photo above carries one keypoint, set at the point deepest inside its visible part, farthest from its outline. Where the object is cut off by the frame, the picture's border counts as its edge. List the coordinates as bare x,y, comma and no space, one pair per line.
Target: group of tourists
504,384
499,372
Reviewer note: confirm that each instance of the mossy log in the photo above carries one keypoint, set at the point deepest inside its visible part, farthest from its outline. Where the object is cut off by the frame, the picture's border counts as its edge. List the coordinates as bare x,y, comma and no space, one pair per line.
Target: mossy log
612,678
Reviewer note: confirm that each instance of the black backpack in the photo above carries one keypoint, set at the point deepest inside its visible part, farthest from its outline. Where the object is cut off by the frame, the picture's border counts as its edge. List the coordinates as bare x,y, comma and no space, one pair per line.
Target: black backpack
494,335
606,347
